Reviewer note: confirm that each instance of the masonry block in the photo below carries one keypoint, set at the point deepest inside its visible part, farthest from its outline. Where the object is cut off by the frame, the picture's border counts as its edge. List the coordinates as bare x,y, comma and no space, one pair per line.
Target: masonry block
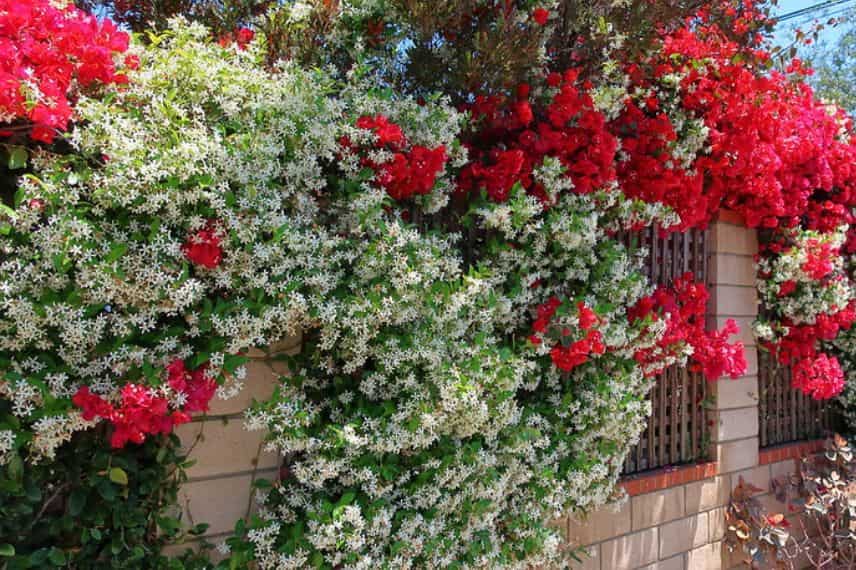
732,269
734,300
673,563
756,476
727,238
707,557
771,505
630,551
739,393
737,455
751,362
590,559
218,502
683,535
708,493
716,524
734,424
288,345
607,522
782,469
258,385
224,446
657,508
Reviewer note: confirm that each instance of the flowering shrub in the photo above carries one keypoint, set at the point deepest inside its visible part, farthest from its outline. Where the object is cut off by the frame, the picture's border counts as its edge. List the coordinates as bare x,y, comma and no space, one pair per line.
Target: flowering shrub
818,527
809,298
477,346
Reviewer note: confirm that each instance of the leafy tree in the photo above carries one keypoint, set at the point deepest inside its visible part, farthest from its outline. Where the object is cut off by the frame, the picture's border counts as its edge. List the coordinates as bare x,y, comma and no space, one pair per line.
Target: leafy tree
835,67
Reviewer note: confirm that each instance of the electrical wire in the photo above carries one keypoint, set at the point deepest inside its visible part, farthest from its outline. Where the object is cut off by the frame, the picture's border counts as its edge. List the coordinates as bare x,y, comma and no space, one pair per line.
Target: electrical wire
810,9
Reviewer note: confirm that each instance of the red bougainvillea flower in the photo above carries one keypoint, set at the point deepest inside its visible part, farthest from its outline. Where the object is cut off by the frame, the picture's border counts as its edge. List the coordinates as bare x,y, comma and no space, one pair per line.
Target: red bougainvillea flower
819,258
412,173
203,247
142,411
515,138
196,387
388,134
786,288
243,37
541,16
91,404
566,358
683,306
409,173
803,341
820,377
48,52
240,37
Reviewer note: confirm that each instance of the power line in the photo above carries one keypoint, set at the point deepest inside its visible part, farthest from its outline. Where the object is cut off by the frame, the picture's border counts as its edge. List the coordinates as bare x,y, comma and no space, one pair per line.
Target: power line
830,15
810,9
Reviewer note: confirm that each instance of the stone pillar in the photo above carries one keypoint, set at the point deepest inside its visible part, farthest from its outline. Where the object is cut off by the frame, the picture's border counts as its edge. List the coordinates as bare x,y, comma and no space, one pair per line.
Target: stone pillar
734,417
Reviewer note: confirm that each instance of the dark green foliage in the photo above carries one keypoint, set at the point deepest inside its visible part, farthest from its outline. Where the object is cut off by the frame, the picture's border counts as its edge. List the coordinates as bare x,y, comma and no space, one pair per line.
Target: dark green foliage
93,507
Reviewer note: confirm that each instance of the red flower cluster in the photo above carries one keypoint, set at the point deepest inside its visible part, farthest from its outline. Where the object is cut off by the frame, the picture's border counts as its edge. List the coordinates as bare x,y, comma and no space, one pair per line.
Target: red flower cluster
820,377
569,357
242,37
541,16
513,140
203,247
46,52
683,307
139,414
803,341
566,354
196,387
775,149
819,260
142,412
409,173
650,172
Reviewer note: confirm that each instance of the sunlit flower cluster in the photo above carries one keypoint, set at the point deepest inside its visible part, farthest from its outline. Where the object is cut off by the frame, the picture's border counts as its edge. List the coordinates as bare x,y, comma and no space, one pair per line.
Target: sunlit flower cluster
49,53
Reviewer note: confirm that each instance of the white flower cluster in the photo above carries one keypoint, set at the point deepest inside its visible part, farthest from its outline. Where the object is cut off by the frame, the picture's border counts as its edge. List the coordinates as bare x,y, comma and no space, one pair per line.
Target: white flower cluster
786,284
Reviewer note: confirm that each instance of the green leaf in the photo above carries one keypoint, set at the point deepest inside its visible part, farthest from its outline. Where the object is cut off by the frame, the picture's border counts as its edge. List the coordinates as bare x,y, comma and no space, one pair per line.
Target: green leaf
15,468
76,502
118,475
347,498
7,550
57,557
117,250
17,158
106,490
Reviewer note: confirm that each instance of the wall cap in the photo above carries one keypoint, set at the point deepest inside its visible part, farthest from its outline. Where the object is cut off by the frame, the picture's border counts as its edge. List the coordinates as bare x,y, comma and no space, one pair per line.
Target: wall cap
667,477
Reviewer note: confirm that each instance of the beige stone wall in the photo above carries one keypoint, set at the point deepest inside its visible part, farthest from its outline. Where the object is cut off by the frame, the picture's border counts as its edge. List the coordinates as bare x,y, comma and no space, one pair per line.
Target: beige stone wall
228,457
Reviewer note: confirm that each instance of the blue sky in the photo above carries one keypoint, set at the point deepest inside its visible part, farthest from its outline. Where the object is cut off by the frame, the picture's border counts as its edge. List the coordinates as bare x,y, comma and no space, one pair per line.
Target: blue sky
784,33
